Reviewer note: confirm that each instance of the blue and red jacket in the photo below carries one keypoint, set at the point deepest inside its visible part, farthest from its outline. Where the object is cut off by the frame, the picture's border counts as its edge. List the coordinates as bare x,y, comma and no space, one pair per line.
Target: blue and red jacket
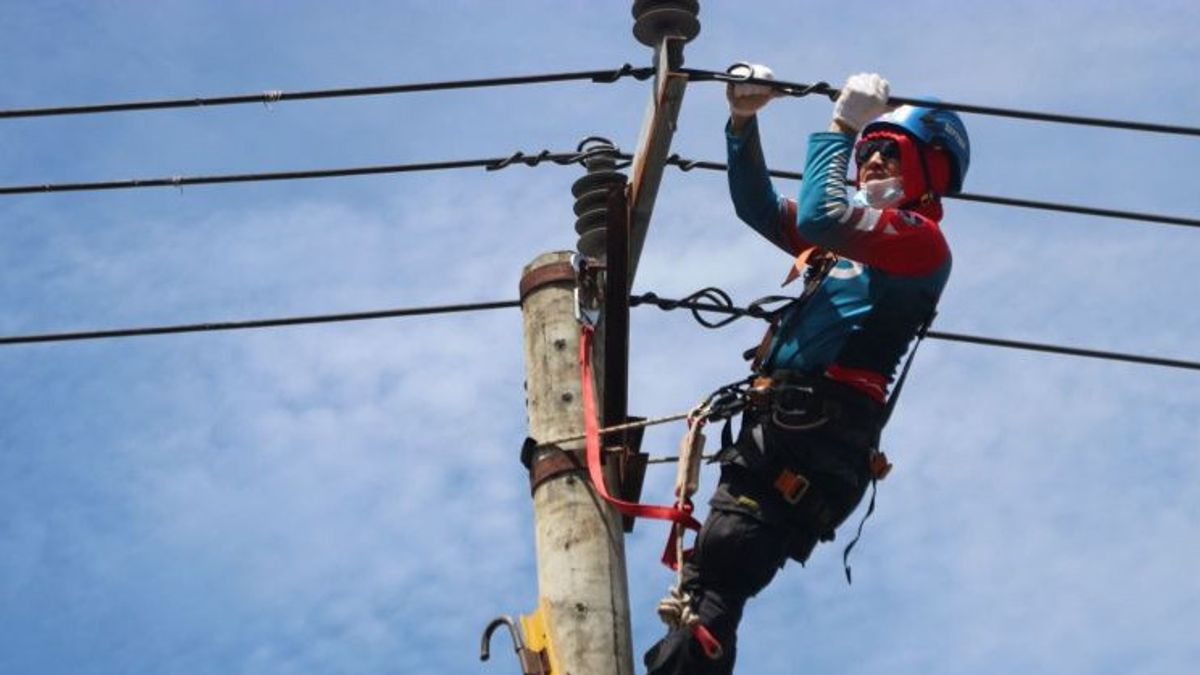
893,264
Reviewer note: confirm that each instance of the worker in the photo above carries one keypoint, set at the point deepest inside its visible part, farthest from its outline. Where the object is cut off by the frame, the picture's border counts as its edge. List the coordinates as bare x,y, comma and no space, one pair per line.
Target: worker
876,263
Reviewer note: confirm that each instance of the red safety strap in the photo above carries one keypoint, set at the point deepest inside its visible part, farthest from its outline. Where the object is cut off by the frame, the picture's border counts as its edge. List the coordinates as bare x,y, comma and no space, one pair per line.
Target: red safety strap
680,514
708,641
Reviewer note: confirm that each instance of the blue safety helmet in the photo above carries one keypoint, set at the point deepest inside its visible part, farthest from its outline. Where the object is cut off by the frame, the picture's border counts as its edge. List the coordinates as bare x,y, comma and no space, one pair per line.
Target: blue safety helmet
934,127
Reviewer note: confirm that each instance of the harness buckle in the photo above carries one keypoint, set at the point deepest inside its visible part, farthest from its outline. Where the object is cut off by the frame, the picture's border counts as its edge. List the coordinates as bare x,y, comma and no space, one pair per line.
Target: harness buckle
879,465
797,407
792,486
759,393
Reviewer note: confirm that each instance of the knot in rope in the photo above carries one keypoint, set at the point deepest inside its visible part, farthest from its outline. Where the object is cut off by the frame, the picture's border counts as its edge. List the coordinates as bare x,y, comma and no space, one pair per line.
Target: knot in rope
676,609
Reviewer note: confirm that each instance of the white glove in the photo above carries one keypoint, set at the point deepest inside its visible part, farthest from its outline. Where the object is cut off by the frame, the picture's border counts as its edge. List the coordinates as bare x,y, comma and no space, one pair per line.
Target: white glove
746,99
863,98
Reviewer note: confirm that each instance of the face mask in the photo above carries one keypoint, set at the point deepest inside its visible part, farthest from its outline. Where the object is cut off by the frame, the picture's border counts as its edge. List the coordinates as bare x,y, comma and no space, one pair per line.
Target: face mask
880,194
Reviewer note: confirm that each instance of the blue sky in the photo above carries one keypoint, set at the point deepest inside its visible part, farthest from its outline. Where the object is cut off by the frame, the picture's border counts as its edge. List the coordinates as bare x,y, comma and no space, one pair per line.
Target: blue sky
347,498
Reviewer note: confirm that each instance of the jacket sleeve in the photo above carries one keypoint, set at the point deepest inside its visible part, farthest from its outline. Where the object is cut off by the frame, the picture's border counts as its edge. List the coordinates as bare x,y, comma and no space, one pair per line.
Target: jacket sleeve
754,197
894,240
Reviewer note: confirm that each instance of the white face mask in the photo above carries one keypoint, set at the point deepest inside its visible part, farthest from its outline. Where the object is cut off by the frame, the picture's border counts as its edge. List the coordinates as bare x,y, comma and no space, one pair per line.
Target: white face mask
880,194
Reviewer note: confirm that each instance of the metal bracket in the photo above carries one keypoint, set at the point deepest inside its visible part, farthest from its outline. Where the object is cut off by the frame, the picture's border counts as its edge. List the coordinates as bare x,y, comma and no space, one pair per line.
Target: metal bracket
552,464
631,468
545,275
654,144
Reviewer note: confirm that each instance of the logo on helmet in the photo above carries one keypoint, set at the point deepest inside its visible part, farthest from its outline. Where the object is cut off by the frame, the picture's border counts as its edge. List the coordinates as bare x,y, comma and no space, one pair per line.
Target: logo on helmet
952,131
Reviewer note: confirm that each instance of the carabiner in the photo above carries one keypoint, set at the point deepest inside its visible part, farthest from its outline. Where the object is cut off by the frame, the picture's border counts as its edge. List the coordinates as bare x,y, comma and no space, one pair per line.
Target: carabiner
587,309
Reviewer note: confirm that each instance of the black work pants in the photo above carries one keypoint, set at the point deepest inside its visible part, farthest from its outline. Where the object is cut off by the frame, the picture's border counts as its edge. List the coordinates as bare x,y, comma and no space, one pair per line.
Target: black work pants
749,534
736,556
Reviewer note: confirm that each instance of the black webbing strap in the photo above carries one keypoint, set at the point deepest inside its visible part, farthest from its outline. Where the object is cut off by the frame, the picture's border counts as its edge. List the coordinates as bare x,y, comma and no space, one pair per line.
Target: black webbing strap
820,267
887,413
891,402
858,534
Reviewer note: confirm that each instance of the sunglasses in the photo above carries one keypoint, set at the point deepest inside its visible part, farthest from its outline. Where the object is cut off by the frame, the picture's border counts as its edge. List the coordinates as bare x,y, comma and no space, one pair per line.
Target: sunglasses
886,147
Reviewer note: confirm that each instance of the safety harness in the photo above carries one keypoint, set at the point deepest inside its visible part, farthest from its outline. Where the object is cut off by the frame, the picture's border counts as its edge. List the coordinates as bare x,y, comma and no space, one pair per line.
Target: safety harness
800,404
794,407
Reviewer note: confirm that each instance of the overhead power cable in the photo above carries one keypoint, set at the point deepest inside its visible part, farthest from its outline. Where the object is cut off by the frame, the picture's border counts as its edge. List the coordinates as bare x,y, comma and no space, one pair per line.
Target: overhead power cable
600,76
561,159
825,89
715,300
688,165
256,323
1068,351
275,96
697,306
490,163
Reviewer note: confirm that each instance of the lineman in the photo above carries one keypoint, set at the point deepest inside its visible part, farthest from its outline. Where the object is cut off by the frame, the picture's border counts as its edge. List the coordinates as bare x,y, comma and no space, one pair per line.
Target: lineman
877,263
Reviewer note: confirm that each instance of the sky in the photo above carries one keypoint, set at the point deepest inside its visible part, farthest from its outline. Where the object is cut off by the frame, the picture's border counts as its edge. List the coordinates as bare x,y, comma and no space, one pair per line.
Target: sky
348,499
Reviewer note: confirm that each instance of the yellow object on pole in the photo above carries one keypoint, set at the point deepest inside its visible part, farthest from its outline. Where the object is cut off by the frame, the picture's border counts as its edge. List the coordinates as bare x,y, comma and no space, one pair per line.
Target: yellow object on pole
537,639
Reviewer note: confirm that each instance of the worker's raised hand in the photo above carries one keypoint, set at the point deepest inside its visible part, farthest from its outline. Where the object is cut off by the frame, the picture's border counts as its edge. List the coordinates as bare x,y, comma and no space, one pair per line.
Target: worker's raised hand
746,99
863,98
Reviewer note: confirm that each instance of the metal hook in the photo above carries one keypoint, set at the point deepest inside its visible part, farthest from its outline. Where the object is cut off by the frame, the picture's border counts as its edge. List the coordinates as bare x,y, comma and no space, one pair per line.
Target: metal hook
740,76
485,643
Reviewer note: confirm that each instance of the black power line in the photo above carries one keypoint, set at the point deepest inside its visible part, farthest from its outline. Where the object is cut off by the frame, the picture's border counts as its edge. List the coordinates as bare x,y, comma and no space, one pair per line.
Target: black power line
825,89
269,97
643,299
491,164
255,323
1069,351
496,163
600,76
688,165
716,303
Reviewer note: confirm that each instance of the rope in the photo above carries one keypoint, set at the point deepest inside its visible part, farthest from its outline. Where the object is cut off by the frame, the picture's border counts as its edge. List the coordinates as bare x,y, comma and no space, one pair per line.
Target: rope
626,426
677,608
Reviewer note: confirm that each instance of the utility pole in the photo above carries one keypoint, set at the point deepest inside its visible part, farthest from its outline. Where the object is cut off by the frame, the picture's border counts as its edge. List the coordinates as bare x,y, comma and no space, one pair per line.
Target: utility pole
582,586
582,624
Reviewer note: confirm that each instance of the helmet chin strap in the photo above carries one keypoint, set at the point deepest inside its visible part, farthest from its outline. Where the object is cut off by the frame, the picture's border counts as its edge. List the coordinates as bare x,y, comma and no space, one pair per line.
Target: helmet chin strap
929,195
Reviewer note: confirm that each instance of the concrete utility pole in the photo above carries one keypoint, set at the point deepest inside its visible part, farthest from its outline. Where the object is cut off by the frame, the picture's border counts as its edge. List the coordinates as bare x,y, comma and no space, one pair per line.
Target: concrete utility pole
582,624
582,587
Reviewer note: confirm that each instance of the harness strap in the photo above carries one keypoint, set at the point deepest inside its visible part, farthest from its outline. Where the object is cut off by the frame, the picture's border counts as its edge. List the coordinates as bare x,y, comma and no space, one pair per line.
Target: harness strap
880,467
891,402
680,514
858,534
819,263
812,253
